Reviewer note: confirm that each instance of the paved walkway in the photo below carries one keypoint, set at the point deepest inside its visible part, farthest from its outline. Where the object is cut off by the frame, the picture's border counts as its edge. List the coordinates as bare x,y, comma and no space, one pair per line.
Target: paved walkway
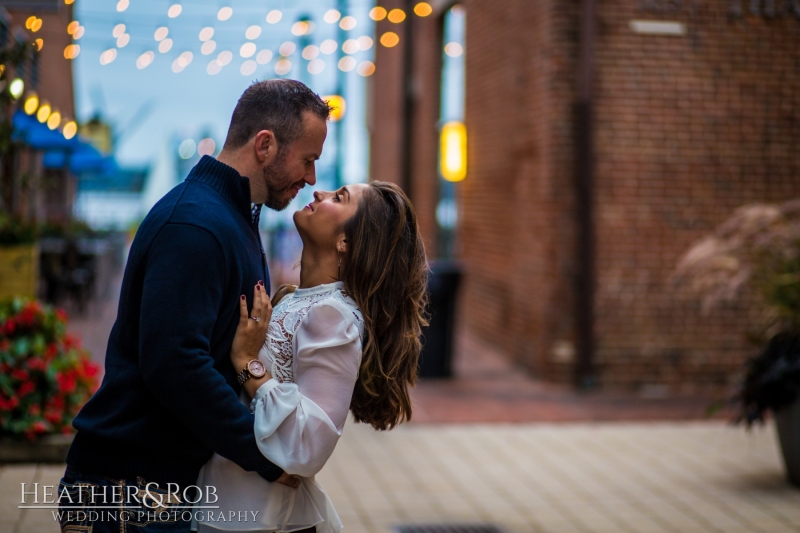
557,478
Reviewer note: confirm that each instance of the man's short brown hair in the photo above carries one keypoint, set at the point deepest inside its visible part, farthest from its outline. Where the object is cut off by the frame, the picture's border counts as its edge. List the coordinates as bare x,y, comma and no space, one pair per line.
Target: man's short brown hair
275,105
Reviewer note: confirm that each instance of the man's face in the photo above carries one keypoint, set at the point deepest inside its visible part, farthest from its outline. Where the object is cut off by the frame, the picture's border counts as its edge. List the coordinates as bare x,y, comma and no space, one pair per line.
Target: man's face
295,165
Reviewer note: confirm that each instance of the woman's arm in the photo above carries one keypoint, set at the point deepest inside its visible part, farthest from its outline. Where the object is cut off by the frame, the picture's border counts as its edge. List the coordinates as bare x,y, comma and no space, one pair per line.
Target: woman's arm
250,336
297,425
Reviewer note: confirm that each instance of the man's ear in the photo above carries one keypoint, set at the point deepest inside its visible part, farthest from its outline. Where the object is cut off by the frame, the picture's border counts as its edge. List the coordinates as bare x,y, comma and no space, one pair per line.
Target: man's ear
265,146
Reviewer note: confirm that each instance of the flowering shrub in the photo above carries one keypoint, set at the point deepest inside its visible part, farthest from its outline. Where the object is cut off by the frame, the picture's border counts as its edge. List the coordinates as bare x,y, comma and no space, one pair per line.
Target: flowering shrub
45,375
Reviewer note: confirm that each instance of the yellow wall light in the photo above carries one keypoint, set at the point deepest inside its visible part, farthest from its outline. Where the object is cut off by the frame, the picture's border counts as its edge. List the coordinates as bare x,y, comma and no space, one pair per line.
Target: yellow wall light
453,151
44,112
70,129
31,104
338,104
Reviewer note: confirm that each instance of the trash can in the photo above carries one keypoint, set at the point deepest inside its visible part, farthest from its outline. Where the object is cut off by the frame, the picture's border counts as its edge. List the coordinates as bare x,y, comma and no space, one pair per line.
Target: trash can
436,359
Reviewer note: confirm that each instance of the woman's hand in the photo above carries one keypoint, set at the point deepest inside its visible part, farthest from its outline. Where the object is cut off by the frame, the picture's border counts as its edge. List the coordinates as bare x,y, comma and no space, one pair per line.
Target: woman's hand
252,329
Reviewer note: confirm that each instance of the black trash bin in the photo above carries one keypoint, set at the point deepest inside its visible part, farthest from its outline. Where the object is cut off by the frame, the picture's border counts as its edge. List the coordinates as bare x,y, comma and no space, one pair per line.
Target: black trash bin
436,359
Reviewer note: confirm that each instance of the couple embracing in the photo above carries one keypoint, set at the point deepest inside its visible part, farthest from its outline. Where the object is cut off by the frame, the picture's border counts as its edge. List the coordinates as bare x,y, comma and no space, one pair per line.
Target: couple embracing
220,403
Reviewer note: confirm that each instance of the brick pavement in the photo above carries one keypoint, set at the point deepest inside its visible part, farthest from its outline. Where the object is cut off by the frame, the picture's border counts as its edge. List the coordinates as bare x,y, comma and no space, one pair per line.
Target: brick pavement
669,477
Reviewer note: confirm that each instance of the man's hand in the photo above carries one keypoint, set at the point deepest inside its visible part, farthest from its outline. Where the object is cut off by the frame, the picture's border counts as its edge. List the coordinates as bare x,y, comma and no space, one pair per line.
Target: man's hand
289,481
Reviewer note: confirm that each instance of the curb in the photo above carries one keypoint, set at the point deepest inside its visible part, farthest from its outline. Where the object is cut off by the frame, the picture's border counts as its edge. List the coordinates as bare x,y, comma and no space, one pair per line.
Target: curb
48,449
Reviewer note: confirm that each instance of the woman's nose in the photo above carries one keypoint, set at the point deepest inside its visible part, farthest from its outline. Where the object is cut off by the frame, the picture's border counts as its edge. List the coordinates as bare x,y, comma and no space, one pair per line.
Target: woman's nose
317,196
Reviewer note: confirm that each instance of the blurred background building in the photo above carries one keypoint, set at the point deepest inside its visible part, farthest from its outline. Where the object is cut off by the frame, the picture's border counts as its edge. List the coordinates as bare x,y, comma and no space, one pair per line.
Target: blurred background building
603,139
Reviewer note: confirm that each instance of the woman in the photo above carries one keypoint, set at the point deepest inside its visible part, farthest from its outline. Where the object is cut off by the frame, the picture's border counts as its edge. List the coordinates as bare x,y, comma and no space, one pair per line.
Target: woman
347,337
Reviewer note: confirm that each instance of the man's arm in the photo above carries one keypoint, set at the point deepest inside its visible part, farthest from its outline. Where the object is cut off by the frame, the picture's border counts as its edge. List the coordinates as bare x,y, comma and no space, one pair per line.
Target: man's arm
181,298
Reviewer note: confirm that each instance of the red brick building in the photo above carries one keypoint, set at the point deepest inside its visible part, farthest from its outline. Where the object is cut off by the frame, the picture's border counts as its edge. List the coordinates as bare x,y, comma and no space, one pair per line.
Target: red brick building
695,112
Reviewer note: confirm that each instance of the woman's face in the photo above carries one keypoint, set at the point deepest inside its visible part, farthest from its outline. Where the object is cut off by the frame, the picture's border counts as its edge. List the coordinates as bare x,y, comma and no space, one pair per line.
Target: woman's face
321,221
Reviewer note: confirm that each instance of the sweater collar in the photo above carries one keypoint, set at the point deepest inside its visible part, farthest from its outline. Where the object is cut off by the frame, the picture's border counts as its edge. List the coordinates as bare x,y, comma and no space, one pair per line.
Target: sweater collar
226,181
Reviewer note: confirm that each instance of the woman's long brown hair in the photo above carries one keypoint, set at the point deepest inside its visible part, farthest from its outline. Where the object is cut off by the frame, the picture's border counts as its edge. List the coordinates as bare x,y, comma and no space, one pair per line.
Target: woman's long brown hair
385,272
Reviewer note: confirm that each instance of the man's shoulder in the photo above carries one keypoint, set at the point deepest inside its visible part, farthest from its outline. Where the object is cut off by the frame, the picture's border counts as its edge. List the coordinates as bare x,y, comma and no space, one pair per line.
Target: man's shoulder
197,205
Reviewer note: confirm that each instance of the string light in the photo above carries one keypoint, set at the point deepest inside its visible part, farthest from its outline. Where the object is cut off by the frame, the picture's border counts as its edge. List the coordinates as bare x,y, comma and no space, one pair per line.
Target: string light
366,68
377,13
396,15
208,48
70,129
283,66
54,120
316,66
122,5
423,9
274,16
174,10
108,56
71,51
264,57
332,16
347,63
144,60
225,13
31,104
248,67
390,39
247,50
44,112
348,23
328,46
253,32
310,52
206,33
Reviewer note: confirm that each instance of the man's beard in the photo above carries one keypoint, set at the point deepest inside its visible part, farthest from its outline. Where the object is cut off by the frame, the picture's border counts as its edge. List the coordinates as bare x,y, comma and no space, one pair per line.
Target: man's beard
277,199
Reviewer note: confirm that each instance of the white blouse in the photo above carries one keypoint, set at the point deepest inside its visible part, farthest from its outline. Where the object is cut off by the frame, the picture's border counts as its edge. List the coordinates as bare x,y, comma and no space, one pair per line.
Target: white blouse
313,351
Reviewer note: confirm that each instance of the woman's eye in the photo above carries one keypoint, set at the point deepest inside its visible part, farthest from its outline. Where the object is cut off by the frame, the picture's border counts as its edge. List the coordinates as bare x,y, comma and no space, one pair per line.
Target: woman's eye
336,197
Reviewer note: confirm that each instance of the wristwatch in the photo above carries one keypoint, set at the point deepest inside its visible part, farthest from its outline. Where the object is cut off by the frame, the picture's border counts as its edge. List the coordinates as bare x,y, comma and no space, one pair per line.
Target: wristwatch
254,368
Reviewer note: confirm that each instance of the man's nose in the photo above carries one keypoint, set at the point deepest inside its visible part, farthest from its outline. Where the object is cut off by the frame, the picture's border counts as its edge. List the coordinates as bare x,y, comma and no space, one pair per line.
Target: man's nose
311,177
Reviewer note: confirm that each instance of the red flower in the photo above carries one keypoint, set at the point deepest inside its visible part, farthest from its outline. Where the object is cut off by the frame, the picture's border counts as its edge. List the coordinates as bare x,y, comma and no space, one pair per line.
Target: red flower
25,389
71,341
5,403
27,317
51,351
39,427
19,374
56,403
4,344
34,410
10,327
61,315
54,417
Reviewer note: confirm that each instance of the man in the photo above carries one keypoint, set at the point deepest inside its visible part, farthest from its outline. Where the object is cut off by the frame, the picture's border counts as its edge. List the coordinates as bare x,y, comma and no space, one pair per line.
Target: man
169,398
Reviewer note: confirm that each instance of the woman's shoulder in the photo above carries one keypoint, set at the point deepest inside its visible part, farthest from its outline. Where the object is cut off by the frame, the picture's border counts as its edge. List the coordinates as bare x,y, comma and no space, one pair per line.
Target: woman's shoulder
344,304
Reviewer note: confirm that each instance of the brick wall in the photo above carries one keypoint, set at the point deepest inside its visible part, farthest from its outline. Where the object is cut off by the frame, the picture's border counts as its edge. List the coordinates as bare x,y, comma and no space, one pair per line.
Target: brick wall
687,128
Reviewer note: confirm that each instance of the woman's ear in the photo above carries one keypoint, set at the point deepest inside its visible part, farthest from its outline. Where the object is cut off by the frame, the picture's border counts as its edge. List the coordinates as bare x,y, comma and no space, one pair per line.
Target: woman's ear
341,245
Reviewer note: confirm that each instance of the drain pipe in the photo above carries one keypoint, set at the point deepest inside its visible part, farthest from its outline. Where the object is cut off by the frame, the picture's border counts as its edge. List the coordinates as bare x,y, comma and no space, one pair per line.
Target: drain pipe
584,195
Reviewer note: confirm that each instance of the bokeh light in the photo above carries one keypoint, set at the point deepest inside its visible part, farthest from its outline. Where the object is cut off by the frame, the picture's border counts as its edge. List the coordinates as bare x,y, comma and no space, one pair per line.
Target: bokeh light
337,104
287,48
71,51
108,56
174,10
161,33
213,67
70,129
453,49
310,52
44,112
187,149
37,25
78,33
348,23
390,39
396,15
16,88
350,46
253,32
332,16
208,48
123,40
144,60
54,120
423,9
366,68
248,67
31,104
206,147
316,66
165,46
225,13
247,50
283,66
122,5
39,44
347,63
118,30
377,13
274,16
264,57
224,57
74,25
206,33
365,42
328,46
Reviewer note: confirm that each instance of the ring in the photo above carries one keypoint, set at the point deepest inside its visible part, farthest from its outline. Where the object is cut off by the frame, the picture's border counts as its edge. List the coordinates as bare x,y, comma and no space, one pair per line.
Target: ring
255,318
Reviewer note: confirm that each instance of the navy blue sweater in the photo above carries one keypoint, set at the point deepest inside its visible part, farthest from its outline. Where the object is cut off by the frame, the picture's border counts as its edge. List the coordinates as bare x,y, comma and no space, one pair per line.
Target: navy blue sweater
169,398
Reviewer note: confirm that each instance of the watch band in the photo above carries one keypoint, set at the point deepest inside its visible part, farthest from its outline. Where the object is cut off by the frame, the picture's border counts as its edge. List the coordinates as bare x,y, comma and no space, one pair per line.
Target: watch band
243,376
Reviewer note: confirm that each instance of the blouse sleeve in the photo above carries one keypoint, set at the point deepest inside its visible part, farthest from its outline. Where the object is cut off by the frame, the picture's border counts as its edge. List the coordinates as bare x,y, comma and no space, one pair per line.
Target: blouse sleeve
298,424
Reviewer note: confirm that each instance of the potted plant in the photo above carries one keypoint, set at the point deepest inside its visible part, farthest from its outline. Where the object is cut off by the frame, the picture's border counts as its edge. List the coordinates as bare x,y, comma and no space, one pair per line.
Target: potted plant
45,375
756,253
19,258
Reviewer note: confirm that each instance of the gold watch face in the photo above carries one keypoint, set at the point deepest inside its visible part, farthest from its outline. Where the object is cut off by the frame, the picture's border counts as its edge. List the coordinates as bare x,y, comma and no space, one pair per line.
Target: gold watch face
256,368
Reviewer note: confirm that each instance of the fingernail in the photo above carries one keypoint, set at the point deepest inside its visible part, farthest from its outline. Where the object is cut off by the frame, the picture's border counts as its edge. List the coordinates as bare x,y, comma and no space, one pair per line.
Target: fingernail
258,287
242,296
261,282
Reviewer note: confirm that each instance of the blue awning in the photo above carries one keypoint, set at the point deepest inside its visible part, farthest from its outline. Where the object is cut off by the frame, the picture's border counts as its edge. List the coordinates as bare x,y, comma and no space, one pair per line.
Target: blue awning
37,135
